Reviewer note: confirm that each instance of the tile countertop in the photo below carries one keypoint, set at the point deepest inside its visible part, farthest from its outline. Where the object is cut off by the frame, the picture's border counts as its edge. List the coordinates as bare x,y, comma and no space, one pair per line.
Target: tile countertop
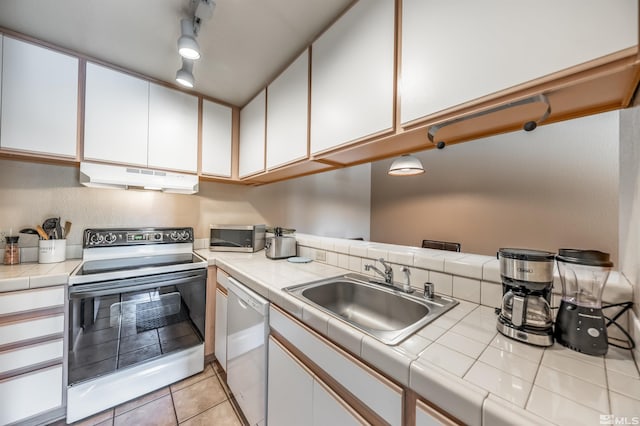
34,275
460,362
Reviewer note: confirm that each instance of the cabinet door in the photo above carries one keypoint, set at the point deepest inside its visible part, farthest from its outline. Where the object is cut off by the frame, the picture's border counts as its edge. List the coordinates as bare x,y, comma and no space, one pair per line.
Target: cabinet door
353,76
30,394
220,340
454,52
427,416
173,129
287,114
330,409
116,121
290,389
216,139
39,99
217,122
252,134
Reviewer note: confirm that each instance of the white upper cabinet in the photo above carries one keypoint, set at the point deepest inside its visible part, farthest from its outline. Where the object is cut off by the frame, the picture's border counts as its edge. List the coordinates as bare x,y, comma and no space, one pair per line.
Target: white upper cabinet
173,129
352,77
39,99
116,121
216,139
457,51
287,114
131,121
252,134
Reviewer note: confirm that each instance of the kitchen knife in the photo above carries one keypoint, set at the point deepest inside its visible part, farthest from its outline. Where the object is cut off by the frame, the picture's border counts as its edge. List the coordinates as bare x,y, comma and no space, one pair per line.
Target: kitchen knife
30,231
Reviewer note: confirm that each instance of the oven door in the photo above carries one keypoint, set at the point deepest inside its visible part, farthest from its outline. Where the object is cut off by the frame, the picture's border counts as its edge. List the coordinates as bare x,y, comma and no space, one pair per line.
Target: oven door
123,323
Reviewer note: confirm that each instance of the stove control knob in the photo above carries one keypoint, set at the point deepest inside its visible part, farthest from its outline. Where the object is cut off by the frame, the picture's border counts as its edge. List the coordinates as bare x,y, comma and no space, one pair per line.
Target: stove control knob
93,239
157,237
173,235
184,235
110,238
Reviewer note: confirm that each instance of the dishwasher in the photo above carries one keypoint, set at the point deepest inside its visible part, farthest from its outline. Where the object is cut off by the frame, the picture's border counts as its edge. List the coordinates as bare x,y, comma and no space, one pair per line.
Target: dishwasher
247,333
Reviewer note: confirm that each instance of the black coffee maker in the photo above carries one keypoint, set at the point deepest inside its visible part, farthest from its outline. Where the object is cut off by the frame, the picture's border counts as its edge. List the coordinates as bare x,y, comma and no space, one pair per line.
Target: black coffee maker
580,323
527,279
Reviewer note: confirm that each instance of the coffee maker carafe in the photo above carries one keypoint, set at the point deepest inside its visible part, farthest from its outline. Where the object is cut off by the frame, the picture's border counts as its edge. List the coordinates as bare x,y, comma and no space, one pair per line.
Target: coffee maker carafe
580,324
527,279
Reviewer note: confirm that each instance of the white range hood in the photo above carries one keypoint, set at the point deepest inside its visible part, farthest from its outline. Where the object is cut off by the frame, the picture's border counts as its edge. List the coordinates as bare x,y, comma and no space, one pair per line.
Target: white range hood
110,176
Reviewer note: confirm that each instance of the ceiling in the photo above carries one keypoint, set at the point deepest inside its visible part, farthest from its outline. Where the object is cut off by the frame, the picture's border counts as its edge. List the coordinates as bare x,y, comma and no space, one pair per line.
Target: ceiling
244,45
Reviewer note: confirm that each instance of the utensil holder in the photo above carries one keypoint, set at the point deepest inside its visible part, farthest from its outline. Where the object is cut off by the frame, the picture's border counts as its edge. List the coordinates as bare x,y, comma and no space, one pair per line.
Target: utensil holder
52,251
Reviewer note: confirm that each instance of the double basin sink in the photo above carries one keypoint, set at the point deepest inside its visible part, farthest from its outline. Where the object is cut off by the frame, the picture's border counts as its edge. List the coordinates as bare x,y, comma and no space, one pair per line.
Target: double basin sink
376,308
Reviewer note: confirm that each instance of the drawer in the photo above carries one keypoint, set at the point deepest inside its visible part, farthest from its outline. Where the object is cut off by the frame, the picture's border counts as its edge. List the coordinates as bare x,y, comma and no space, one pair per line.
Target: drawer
23,331
375,391
31,300
27,356
30,394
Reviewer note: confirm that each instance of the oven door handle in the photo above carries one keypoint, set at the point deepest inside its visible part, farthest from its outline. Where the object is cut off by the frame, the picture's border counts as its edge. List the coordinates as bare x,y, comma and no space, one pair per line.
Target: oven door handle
107,288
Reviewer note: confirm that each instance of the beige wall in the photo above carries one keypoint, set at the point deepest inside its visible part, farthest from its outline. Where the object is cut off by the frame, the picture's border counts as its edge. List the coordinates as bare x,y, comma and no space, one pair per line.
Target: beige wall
31,192
554,187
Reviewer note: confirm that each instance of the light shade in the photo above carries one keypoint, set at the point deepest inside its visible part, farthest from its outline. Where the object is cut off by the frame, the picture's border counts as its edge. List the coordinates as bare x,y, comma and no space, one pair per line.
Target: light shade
406,165
187,45
184,76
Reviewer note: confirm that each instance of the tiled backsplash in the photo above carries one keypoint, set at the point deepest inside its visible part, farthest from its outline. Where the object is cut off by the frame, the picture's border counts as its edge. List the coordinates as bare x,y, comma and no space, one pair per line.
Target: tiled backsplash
465,276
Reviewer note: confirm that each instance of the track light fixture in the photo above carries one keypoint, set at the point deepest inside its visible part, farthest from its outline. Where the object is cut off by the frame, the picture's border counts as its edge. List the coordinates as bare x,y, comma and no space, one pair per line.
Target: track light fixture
188,47
184,76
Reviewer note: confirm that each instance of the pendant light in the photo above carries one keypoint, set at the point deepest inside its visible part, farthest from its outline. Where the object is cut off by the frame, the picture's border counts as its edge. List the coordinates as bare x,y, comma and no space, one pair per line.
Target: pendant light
406,165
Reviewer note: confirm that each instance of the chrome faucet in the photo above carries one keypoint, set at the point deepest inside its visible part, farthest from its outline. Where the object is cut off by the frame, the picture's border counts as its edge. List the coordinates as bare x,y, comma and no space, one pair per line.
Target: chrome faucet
387,274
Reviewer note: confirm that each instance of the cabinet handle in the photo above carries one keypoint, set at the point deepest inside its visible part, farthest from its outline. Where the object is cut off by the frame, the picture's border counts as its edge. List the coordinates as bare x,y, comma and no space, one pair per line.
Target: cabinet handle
528,126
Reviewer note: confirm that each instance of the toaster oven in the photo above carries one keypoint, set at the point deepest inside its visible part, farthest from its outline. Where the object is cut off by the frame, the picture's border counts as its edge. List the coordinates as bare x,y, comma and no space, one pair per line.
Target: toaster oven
243,238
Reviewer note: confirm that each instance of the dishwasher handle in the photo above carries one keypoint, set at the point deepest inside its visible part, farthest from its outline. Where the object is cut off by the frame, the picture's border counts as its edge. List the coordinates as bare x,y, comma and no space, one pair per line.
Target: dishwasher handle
248,296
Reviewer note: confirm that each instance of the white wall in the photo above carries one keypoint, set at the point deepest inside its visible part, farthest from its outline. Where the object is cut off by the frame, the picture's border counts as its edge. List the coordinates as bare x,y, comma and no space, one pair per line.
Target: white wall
630,200
324,204
554,187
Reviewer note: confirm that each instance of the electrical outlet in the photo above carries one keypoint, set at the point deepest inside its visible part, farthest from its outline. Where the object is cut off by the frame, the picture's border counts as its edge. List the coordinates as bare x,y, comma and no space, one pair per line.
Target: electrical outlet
321,255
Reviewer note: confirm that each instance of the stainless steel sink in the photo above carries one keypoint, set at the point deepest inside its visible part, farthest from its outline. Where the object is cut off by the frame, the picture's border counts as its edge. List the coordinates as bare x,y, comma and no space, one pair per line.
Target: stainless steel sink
382,311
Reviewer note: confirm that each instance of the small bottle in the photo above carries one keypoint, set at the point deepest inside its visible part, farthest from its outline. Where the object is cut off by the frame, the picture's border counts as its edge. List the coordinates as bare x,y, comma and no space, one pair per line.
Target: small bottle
11,251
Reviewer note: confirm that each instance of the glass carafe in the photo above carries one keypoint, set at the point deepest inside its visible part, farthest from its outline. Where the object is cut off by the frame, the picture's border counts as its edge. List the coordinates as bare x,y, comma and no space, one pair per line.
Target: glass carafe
583,274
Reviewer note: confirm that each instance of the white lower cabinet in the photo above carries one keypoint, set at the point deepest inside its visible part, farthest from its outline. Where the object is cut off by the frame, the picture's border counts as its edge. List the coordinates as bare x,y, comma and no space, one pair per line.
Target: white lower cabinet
330,409
297,397
30,394
32,336
220,350
378,394
427,416
290,389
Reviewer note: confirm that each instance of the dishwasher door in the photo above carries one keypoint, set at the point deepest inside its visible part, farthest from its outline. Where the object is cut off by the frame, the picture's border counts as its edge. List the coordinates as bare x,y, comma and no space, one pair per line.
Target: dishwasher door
247,333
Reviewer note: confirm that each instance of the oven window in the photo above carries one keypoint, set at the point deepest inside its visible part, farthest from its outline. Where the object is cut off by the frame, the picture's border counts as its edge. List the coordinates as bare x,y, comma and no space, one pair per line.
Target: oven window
121,330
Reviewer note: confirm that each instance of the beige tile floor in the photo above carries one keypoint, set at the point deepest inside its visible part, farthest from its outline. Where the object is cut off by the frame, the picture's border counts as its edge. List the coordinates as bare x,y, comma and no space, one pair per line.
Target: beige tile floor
202,399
